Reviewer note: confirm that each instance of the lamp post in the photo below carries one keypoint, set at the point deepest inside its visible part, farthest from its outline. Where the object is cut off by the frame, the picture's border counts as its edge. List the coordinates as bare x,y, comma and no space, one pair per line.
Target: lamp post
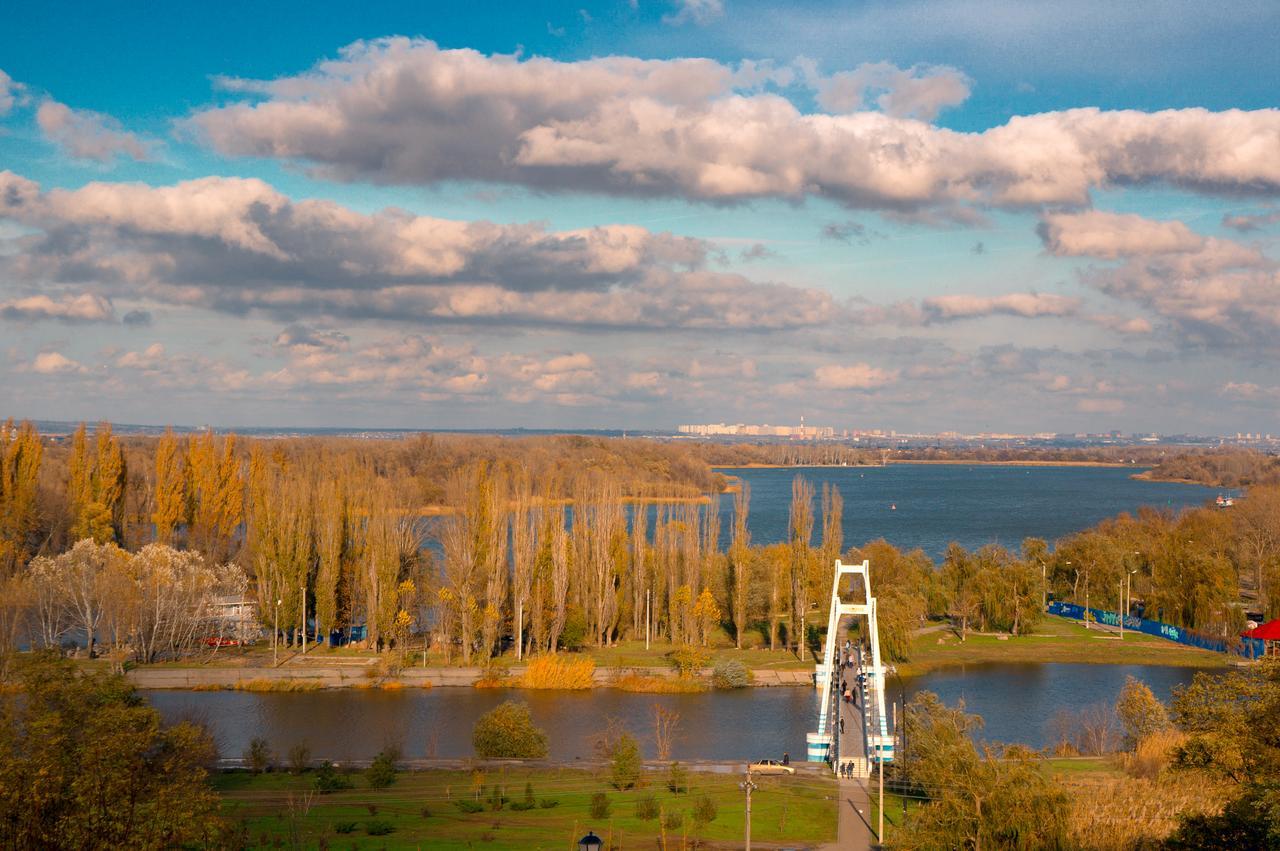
748,786
590,842
275,636
1044,589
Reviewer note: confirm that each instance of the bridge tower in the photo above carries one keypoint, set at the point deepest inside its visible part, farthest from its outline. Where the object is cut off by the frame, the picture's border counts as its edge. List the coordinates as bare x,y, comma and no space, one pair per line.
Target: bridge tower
874,741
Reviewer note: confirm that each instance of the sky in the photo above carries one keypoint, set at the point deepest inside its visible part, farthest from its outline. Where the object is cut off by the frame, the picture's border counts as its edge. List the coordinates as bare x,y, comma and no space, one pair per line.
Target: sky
1008,216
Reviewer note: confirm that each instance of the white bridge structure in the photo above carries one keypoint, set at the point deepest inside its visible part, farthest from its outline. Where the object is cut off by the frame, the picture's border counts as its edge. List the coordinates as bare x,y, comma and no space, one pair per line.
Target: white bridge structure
864,738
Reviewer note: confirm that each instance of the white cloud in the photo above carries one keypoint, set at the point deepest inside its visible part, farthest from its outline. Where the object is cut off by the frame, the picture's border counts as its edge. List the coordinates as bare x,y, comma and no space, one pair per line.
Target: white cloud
88,135
1095,233
10,93
858,376
55,363
84,307
917,92
700,12
237,245
404,111
1030,305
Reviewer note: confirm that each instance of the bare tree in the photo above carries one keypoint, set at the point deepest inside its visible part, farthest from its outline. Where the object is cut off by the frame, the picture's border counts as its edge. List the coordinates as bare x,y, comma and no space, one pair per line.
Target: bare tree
739,562
801,538
525,523
666,728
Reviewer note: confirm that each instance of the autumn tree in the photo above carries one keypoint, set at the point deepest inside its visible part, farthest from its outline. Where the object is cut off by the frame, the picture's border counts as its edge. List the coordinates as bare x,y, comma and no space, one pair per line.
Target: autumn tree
740,563
801,526
20,455
170,488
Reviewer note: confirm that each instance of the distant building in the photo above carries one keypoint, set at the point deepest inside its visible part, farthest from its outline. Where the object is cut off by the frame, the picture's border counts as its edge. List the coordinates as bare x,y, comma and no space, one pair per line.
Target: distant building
766,430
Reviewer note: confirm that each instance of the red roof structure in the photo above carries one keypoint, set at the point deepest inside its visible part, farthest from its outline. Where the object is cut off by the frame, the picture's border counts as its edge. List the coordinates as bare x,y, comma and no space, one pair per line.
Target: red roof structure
1269,631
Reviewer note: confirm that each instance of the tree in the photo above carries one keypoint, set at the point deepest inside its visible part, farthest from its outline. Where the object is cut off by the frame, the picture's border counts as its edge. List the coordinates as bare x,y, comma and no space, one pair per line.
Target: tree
625,762
740,563
706,614
381,773
20,455
976,800
507,732
960,578
801,525
1140,712
170,488
86,763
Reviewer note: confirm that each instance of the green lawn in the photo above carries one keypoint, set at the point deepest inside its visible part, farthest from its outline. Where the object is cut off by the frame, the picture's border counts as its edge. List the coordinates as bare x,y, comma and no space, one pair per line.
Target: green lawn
1055,639
421,807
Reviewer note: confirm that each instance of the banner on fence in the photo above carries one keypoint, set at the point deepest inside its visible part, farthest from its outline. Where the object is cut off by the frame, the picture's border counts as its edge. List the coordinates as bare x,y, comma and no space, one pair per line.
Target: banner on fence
1250,648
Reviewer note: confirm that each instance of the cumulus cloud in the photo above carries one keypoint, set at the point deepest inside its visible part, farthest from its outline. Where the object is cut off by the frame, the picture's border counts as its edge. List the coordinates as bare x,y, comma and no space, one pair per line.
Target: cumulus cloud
858,376
917,92
10,93
1212,291
945,308
405,111
237,245
84,307
1247,222
1095,233
88,135
55,363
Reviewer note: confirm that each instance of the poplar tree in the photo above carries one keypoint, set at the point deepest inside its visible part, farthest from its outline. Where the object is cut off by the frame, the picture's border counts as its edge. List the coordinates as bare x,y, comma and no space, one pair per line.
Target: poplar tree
801,537
740,562
20,454
170,488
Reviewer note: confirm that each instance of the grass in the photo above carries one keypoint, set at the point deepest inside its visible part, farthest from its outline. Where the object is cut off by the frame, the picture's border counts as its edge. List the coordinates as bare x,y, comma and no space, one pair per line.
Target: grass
421,808
631,654
269,684
1054,639
559,672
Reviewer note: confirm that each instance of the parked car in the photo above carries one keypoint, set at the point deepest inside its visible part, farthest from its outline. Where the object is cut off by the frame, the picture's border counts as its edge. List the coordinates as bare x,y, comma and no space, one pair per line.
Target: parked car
770,766
221,641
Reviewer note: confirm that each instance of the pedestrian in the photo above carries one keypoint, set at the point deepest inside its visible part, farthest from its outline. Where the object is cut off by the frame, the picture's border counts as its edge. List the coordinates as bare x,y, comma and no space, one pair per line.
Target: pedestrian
842,726
786,758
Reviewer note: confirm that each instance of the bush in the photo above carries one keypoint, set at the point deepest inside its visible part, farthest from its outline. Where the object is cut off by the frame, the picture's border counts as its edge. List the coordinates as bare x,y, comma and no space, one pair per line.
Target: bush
507,732
425,812
548,803
574,634
378,827
497,800
345,827
730,673
258,757
329,780
647,808
704,809
677,778
673,821
382,772
299,758
626,763
599,806
467,805
687,659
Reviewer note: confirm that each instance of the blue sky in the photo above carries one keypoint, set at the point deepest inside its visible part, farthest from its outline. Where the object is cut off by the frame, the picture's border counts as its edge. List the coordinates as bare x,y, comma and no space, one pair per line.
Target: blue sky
916,215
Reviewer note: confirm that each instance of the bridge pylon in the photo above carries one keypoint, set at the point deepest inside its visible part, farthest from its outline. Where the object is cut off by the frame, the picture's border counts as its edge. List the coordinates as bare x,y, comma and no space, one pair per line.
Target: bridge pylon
873,741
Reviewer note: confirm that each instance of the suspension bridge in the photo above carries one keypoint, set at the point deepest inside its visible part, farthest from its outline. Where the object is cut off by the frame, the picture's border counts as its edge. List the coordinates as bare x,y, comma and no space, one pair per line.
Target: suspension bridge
853,735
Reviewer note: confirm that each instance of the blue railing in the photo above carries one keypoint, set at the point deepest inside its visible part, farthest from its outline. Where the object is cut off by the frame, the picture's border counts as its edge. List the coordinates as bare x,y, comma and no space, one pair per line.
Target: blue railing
1249,648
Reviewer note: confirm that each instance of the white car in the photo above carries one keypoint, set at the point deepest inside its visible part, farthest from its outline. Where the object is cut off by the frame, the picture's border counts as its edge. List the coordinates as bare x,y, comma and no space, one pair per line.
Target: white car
770,766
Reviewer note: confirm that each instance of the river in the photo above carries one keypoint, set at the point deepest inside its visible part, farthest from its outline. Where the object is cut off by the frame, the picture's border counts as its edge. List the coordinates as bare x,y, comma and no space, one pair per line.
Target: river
930,505
1018,703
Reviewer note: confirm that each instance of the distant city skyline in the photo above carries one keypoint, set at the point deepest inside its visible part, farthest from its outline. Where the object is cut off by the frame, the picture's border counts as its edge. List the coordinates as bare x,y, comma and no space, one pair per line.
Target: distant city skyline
930,216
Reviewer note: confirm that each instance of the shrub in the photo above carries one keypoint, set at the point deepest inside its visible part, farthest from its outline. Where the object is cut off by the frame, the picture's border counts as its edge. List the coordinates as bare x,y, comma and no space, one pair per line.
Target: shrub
730,673
497,800
378,827
659,685
495,675
559,672
507,732
345,827
381,773
258,757
329,780
1140,712
599,806
299,758
687,659
372,808
673,821
574,634
467,805
626,763
647,808
548,803
704,809
425,812
677,778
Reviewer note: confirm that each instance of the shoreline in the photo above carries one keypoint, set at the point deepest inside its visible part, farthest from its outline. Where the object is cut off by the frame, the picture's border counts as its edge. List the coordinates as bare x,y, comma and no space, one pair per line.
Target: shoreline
937,461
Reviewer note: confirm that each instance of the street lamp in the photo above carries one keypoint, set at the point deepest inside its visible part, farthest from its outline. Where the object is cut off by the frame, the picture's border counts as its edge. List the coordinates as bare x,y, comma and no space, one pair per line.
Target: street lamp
590,842
275,636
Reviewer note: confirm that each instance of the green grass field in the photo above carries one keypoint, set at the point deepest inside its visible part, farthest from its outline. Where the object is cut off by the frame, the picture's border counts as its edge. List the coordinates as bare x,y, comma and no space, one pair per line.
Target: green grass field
1055,639
421,807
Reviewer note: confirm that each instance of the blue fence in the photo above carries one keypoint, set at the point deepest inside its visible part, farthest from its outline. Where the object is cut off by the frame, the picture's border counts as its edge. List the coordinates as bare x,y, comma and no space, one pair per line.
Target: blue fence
1250,648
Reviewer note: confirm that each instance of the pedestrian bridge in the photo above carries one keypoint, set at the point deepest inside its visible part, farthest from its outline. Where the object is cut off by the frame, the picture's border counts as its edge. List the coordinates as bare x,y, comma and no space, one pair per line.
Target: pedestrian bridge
864,738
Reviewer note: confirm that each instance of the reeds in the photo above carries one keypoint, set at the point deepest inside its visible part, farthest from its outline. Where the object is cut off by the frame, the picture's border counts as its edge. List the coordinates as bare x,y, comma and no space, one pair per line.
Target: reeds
269,684
559,672
659,685
1123,812
1152,755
